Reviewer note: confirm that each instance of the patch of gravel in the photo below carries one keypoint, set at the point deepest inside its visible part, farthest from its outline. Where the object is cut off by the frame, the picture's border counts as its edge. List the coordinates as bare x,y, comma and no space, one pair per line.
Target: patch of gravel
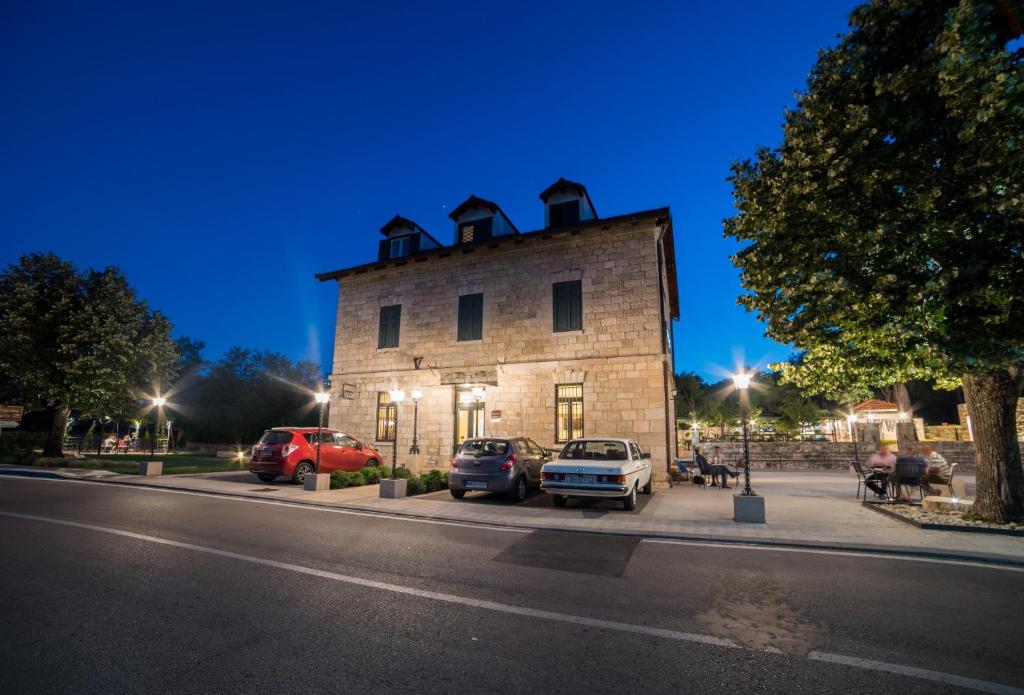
919,514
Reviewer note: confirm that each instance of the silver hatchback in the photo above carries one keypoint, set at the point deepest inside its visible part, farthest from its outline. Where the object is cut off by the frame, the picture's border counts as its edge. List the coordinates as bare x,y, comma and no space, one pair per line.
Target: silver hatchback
497,464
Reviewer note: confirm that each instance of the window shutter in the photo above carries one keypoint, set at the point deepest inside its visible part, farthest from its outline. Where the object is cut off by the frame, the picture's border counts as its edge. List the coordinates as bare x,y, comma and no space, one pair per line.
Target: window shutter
471,317
390,319
567,306
382,251
414,243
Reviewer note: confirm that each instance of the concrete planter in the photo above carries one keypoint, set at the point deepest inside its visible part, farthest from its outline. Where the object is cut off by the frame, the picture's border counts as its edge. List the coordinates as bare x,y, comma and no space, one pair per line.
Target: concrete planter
391,489
748,509
317,482
151,467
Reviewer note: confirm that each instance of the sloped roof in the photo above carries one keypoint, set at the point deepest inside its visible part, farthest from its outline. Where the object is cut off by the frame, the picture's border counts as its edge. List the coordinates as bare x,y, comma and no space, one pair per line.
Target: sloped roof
399,221
473,202
875,404
564,184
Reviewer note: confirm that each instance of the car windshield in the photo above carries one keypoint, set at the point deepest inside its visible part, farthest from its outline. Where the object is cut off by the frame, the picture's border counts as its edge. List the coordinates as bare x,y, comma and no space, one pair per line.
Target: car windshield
275,437
595,451
484,447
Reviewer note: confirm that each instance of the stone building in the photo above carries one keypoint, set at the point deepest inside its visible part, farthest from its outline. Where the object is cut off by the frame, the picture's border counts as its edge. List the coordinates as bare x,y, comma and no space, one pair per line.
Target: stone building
551,334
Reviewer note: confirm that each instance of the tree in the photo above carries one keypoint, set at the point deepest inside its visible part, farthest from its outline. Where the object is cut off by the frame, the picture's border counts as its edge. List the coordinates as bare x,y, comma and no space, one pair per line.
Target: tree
885,230
82,341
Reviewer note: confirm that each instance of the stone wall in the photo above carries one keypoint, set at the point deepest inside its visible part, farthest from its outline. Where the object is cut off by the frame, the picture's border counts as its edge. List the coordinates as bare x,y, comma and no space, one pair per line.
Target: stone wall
619,356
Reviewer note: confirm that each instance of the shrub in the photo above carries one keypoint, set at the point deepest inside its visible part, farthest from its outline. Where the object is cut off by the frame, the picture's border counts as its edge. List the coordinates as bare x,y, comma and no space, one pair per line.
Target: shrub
342,479
434,480
415,486
373,474
400,472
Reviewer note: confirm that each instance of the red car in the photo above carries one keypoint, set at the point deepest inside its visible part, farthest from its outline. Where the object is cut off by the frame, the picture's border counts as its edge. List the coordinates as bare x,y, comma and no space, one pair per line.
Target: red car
291,452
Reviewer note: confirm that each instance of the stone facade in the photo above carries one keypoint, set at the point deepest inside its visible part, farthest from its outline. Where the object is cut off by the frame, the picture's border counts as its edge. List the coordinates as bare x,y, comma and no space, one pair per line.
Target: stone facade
622,355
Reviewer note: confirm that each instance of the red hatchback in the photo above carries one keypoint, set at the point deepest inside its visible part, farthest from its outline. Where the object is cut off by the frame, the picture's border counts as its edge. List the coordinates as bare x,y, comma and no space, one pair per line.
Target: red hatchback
291,452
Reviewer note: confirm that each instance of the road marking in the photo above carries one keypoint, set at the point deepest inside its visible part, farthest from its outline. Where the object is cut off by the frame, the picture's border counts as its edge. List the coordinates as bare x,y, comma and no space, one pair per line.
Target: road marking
394,516
854,662
841,553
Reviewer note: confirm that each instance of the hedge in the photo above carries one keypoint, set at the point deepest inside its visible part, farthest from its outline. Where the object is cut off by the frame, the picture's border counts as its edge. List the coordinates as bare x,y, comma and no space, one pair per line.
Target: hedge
431,481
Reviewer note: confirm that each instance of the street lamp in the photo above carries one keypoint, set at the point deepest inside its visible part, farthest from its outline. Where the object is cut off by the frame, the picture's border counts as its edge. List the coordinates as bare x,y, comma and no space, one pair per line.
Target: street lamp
850,420
416,396
397,396
322,398
158,403
742,383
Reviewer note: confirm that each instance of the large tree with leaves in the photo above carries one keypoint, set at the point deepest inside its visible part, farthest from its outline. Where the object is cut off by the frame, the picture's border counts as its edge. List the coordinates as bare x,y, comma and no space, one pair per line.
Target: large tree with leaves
79,341
887,226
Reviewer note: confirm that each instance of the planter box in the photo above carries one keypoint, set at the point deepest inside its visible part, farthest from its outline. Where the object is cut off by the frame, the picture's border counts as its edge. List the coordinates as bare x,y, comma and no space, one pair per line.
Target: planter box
151,467
391,489
748,509
317,482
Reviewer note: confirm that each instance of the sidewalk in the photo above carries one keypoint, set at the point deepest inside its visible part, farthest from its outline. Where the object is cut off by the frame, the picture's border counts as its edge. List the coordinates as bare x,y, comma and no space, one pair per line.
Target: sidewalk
812,508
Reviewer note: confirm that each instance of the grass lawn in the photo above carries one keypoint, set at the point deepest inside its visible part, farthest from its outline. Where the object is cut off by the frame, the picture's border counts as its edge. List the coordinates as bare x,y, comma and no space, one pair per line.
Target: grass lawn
174,464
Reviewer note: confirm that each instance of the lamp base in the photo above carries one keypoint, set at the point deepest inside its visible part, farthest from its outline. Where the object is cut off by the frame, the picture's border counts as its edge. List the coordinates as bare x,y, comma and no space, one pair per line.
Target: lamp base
748,509
317,482
392,488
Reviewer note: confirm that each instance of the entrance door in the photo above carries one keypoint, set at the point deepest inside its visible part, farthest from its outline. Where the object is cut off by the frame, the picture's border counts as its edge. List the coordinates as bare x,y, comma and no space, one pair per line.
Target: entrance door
469,416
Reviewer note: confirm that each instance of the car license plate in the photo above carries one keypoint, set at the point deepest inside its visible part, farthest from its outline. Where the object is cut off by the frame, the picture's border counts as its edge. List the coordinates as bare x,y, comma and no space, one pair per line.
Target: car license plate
579,479
476,484
265,452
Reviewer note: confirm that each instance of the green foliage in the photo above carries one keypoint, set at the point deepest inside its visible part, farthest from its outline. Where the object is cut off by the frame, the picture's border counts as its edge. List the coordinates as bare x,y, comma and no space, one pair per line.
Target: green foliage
372,474
434,480
400,472
78,340
18,440
883,235
343,479
415,486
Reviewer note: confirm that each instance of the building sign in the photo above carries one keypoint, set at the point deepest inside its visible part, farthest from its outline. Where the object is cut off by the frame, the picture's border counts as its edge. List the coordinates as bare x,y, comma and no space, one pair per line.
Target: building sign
486,376
495,416
11,413
348,391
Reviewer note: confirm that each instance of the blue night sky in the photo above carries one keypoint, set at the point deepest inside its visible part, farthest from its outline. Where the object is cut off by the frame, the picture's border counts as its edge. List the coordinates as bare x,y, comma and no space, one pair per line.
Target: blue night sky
221,156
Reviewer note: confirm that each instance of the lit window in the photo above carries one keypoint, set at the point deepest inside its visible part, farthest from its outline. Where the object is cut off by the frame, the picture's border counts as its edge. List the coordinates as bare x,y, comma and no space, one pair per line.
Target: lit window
568,412
387,411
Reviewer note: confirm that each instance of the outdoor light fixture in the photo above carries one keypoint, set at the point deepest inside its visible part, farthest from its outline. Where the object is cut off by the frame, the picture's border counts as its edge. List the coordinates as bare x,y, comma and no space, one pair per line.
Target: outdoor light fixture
416,396
158,403
478,393
322,398
742,382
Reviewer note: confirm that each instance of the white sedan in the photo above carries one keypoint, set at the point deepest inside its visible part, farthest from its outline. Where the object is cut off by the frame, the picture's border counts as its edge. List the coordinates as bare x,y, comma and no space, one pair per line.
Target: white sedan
598,467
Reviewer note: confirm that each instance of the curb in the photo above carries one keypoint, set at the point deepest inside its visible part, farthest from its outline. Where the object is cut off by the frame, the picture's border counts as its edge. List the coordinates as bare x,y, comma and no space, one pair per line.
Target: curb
893,551
929,526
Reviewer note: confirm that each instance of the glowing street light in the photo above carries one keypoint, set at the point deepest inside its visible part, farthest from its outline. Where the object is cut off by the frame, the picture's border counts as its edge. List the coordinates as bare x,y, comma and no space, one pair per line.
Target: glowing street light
397,396
416,396
158,403
742,382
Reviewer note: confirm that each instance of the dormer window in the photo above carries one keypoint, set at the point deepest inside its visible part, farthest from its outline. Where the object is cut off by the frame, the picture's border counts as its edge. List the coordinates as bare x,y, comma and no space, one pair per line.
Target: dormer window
400,247
567,203
478,220
404,238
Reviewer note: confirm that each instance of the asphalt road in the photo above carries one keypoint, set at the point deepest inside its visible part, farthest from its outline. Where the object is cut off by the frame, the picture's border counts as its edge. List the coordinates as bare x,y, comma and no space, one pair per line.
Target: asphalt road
153,591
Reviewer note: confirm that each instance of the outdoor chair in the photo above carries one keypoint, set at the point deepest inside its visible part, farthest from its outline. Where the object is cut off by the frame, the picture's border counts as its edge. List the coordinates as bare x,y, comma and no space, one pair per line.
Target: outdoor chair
910,473
862,479
948,481
705,472
683,472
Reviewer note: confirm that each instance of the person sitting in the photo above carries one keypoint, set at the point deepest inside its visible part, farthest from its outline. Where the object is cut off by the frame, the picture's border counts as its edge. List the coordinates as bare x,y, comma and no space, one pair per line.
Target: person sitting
882,463
912,456
719,470
702,464
939,469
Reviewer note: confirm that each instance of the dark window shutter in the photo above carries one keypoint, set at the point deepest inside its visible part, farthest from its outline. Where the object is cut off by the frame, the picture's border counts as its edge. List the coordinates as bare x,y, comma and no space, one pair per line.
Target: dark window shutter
382,251
563,214
567,306
414,243
471,317
390,318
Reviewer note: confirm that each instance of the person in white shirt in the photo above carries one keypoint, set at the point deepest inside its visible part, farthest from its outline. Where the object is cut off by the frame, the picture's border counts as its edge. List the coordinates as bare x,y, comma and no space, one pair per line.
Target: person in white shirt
882,463
939,469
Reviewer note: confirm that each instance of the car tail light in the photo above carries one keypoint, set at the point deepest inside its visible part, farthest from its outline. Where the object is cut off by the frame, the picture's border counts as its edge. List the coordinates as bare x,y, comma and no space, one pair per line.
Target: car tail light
509,462
611,478
287,449
552,476
455,464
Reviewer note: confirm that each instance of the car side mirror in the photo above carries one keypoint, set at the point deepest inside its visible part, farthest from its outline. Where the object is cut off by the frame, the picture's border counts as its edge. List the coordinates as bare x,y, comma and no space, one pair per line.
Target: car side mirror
549,453
359,445
645,454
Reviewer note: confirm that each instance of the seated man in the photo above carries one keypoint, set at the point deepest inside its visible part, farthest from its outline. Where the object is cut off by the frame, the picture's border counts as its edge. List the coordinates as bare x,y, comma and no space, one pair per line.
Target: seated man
881,463
939,469
911,457
718,469
703,466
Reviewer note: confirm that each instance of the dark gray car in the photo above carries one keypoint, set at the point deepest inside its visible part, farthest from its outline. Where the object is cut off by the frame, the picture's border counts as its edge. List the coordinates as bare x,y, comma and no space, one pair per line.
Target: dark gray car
497,464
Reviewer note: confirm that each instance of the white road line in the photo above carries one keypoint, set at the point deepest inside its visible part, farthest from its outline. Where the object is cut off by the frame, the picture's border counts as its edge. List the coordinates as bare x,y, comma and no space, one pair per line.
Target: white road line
284,503
854,662
912,672
841,553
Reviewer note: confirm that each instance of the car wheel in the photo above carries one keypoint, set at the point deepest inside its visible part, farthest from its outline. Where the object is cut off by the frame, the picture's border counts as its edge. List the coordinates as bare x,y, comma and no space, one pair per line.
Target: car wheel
457,494
266,477
629,501
301,471
649,487
370,463
560,500
518,493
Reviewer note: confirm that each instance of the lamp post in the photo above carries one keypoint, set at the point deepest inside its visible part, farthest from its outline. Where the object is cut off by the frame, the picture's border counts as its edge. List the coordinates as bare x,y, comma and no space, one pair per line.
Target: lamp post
478,395
742,383
416,396
850,420
322,398
158,403
397,396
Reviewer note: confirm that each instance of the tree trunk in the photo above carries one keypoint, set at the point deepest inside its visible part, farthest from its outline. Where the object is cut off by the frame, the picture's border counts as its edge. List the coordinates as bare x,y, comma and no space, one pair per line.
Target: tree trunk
992,402
54,447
